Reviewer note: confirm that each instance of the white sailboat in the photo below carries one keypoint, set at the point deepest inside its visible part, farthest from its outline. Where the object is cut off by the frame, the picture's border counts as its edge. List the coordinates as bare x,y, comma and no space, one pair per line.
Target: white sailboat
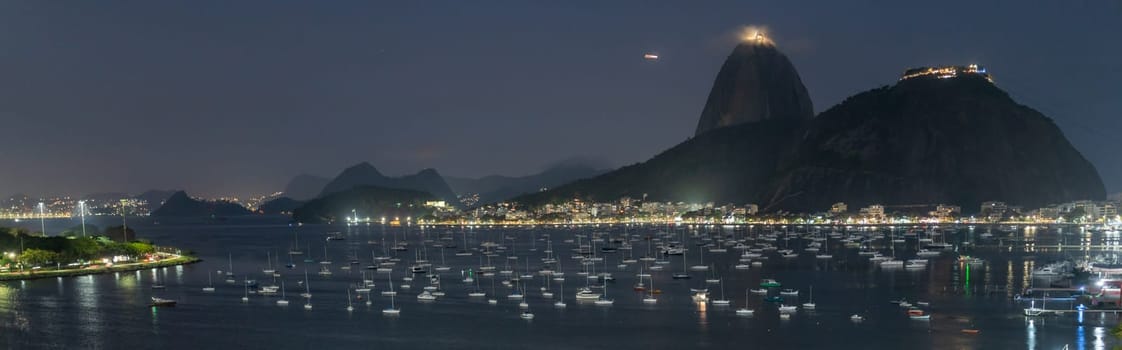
210,282
392,310
307,289
745,311
230,269
604,301
809,305
650,298
700,262
245,298
283,300
350,306
269,270
307,292
560,303
722,301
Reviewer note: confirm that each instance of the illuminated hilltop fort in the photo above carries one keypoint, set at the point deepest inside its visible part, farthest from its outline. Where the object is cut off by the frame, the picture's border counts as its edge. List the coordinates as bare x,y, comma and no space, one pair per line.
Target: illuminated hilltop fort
945,72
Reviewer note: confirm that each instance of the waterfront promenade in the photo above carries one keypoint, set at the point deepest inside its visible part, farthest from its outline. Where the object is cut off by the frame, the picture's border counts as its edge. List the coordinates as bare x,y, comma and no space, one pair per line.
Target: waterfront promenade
168,260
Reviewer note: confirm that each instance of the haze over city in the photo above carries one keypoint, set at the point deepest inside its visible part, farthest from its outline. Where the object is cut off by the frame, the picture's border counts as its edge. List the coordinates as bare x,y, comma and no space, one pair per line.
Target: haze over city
236,98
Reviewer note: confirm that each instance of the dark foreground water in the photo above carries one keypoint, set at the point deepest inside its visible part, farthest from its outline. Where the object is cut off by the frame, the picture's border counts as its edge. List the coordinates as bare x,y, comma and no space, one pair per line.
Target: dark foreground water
111,312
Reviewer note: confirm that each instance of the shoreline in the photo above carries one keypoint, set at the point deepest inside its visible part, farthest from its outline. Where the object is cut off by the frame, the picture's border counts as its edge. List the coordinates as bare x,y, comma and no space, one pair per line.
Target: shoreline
24,276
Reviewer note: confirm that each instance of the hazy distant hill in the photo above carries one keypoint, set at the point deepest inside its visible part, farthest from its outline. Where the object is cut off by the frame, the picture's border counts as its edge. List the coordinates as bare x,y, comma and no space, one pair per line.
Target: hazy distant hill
280,205
496,188
368,200
364,174
155,198
180,204
304,186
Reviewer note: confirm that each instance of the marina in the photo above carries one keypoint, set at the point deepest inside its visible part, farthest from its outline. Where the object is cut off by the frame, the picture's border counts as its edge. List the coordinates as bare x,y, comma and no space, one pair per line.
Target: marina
846,294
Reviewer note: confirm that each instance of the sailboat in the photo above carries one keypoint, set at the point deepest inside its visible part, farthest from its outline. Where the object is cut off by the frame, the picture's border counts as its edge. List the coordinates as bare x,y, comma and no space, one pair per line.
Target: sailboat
744,311
245,298
308,292
290,265
682,275
295,250
492,300
546,293
230,270
443,267
350,307
210,282
477,292
523,304
722,301
326,260
650,298
604,301
464,252
639,286
269,260
809,305
389,292
713,279
283,300
560,303
392,310
700,262
826,254
1032,310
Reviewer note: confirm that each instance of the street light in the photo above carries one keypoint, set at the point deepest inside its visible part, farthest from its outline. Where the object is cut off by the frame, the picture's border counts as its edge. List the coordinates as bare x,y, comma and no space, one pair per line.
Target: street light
82,208
42,224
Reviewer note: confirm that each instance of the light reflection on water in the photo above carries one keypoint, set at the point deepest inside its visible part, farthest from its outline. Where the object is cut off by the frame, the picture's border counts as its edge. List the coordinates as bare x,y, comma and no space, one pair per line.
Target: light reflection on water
1030,334
90,322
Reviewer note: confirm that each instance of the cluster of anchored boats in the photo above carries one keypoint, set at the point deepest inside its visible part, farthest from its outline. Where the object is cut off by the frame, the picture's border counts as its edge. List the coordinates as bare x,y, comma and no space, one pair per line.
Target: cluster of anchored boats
500,263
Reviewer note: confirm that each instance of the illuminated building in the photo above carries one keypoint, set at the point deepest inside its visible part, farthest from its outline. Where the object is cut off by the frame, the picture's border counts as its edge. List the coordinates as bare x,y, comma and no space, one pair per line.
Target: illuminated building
946,72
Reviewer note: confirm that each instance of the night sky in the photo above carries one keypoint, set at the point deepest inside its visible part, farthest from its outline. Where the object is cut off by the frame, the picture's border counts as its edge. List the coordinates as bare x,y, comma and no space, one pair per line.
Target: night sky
236,97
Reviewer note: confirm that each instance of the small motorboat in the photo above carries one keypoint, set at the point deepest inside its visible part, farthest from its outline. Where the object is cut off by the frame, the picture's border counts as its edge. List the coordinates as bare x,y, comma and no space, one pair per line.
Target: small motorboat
160,302
856,318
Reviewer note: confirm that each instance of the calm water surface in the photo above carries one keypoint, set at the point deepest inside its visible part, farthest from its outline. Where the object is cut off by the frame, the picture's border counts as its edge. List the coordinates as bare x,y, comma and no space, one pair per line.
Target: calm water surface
110,311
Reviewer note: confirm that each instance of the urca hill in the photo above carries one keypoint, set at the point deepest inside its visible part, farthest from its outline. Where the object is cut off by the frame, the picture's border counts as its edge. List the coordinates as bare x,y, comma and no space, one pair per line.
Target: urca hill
938,135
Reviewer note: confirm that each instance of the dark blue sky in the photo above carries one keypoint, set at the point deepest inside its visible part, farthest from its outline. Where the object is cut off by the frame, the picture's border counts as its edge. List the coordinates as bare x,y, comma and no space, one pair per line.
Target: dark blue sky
236,97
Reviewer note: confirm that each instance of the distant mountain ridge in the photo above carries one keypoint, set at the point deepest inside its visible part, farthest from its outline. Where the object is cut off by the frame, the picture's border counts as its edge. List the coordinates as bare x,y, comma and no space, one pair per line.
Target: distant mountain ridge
368,200
182,205
364,174
495,188
304,186
280,205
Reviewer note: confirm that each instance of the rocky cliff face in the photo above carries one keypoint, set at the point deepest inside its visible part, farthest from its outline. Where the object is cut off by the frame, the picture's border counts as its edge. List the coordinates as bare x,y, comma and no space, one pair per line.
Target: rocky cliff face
756,82
929,140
